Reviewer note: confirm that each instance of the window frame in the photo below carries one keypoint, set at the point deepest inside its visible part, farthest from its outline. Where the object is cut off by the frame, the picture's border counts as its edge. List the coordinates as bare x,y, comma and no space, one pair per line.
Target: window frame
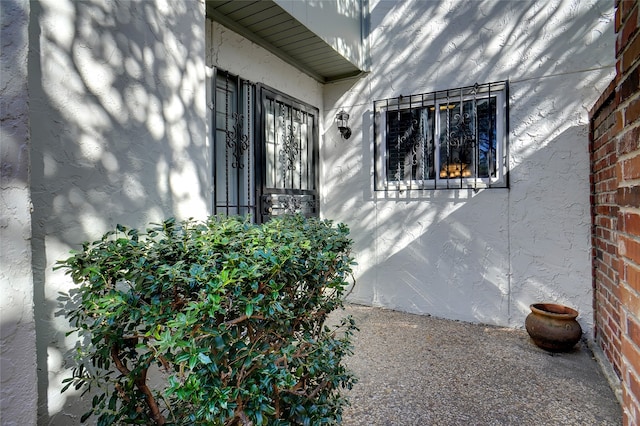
434,100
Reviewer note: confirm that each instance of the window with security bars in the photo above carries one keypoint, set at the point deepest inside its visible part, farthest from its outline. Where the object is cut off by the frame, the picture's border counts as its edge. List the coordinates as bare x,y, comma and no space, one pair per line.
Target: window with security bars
449,139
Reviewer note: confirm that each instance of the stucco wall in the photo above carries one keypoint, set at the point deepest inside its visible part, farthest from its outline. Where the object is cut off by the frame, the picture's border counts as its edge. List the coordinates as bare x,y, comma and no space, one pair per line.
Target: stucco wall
339,23
239,56
483,256
118,113
17,325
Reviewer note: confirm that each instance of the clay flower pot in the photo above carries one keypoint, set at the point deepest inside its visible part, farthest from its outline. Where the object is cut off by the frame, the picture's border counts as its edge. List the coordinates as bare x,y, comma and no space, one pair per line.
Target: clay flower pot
553,327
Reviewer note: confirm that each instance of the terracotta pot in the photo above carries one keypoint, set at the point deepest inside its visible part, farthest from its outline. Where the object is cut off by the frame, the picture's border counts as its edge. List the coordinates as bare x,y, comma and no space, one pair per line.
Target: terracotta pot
553,327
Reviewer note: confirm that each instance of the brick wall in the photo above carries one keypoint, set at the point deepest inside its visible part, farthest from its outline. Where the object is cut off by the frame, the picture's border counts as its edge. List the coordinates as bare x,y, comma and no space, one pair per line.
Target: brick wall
615,180
604,154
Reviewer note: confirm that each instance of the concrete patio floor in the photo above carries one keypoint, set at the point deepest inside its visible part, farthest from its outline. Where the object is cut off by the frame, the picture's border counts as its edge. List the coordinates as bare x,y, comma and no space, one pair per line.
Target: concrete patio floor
420,370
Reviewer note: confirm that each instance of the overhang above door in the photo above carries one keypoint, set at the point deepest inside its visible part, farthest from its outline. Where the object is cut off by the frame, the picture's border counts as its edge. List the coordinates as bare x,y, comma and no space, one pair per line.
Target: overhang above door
270,26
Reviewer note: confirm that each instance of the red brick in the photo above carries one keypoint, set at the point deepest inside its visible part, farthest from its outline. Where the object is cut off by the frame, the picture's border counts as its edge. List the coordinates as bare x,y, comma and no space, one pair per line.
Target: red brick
632,278
631,352
629,248
602,163
605,99
616,127
614,357
630,223
630,54
600,135
604,145
634,386
599,129
607,277
628,196
607,210
612,332
615,321
630,410
601,121
605,222
618,123
628,86
603,233
607,268
630,298
604,106
629,27
618,172
625,7
602,140
633,331
606,198
607,186
632,111
629,142
606,149
615,290
631,168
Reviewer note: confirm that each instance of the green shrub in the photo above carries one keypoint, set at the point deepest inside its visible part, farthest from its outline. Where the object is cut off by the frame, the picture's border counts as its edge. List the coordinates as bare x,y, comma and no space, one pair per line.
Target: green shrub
224,318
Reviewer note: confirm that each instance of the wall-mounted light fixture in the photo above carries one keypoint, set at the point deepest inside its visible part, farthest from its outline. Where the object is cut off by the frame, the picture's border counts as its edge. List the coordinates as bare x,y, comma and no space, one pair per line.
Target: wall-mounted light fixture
342,120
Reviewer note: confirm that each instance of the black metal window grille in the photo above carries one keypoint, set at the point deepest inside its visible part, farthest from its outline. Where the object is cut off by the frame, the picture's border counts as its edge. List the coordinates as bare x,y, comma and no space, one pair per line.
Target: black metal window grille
448,139
234,146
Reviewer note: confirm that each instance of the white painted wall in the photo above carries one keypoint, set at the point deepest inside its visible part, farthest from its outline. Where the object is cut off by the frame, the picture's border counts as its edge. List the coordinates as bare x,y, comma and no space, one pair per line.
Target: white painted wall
477,257
118,128
18,380
233,53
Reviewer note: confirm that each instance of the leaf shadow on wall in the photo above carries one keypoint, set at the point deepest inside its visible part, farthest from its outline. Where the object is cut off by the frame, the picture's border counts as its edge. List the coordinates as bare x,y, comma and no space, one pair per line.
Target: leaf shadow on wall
118,136
546,53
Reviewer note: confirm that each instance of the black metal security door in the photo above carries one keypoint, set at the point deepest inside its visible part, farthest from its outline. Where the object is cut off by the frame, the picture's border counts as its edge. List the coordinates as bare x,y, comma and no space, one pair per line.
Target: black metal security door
265,151
289,156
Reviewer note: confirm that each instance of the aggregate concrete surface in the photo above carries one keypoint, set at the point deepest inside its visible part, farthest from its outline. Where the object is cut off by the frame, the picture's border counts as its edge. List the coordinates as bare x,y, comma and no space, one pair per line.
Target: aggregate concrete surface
421,370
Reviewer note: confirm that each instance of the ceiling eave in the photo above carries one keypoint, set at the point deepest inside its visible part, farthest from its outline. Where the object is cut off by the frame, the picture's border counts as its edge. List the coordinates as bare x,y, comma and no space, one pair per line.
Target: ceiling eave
328,66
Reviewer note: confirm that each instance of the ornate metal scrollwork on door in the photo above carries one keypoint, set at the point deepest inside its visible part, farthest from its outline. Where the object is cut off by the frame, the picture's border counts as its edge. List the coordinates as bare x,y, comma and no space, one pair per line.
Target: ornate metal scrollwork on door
237,142
279,204
290,149
290,204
